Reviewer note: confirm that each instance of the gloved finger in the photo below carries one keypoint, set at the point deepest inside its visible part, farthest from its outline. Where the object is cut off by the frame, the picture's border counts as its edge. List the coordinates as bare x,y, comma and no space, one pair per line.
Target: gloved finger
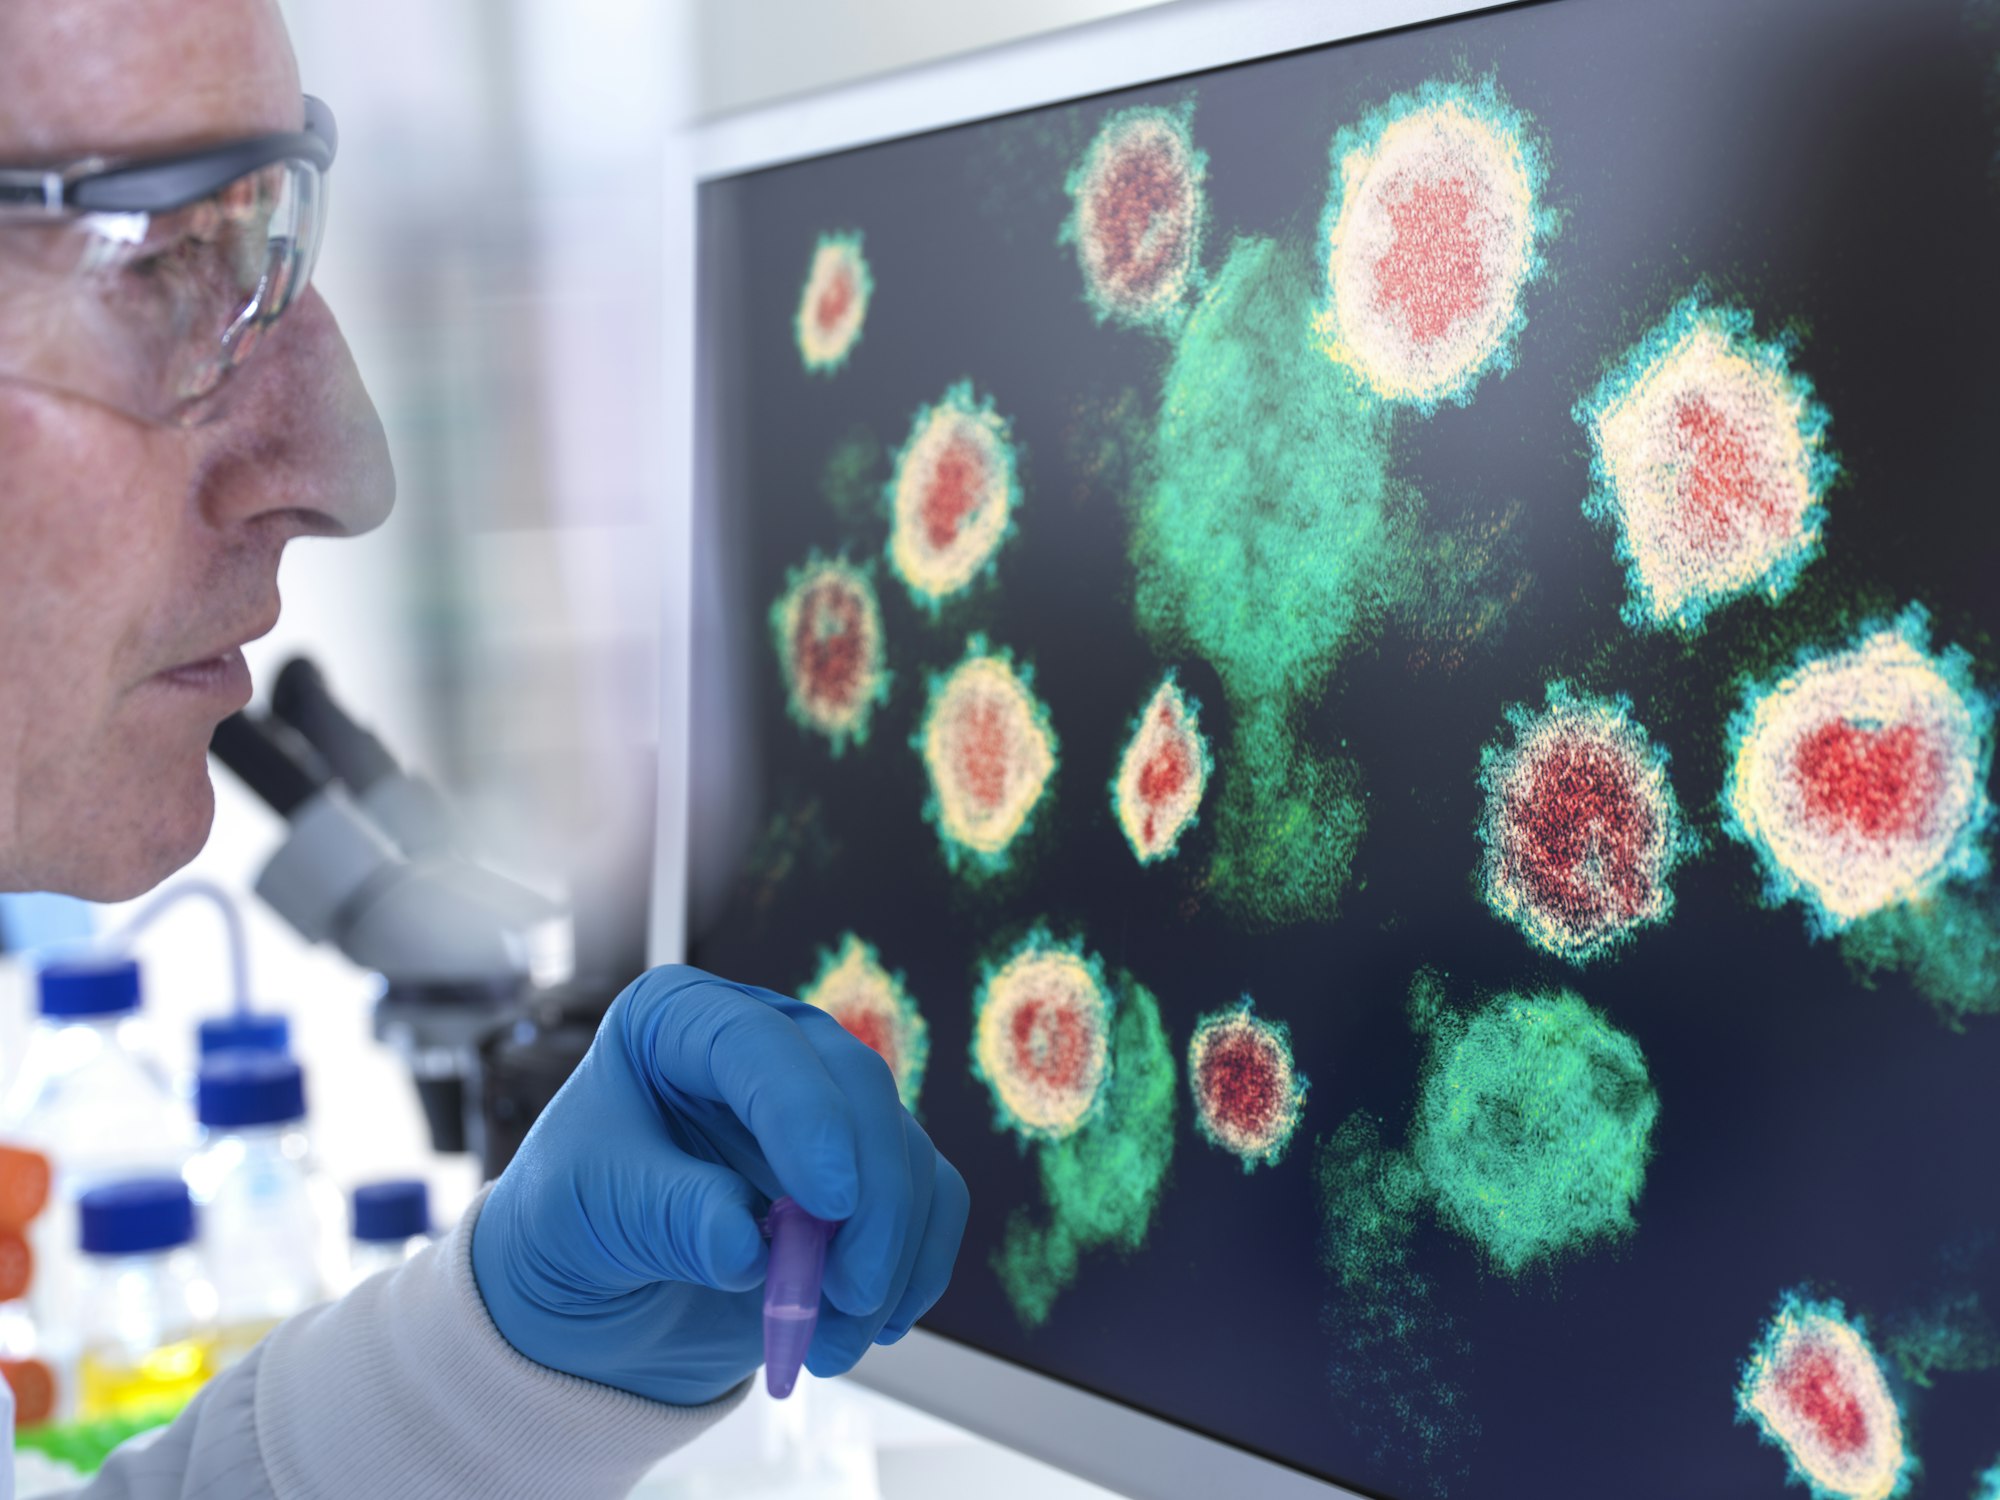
842,1337
699,1035
951,1203
672,1217
865,1256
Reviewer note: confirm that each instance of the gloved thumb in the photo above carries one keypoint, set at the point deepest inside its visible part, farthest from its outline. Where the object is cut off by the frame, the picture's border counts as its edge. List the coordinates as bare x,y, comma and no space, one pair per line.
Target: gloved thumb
671,1217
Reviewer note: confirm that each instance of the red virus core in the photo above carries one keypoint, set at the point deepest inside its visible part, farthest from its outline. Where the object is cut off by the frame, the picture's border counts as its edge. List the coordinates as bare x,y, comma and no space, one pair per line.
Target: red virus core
1434,270
957,485
1051,1042
1813,1383
1138,215
1580,827
835,299
1140,205
1880,783
1241,1082
829,645
874,1032
1248,1095
1726,493
1164,776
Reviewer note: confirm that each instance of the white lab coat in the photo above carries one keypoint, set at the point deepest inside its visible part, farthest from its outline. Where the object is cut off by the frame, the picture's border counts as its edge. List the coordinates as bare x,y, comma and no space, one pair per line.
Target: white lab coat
402,1388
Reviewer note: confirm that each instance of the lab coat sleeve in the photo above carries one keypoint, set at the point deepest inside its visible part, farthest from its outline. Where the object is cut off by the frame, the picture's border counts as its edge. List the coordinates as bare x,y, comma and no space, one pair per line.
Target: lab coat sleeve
402,1388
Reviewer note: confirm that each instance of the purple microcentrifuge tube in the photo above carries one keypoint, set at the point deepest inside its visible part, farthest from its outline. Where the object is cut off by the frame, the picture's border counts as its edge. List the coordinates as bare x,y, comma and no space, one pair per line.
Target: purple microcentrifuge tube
791,1291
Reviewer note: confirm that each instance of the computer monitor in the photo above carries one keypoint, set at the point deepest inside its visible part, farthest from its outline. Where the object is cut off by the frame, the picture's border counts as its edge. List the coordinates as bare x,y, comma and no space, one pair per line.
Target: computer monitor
1362,639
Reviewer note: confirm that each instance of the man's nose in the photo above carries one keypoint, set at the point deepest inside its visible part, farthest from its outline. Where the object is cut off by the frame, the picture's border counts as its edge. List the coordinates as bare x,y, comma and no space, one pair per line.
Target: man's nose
300,435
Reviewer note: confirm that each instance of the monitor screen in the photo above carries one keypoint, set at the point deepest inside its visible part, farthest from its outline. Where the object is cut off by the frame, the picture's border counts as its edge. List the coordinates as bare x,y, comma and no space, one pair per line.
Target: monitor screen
1374,674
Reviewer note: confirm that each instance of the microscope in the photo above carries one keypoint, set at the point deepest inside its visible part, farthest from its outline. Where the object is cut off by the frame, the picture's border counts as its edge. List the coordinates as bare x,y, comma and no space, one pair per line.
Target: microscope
374,863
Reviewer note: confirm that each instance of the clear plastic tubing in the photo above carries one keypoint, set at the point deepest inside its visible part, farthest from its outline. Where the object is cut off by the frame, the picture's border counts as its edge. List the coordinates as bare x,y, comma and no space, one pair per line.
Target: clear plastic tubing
791,1291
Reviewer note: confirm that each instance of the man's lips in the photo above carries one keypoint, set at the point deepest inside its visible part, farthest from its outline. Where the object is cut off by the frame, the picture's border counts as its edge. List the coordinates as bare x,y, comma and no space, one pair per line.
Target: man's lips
224,676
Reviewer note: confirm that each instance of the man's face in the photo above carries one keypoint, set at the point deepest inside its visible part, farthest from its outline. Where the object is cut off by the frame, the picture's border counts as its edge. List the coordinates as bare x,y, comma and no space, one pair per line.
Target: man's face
135,560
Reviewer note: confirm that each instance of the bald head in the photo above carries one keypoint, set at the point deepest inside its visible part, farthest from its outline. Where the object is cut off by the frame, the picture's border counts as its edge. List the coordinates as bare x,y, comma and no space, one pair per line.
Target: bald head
117,77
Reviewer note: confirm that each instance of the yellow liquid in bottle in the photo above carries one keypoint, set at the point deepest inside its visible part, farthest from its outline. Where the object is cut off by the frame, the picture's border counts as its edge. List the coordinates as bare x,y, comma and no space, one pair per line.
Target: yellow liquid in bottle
166,1378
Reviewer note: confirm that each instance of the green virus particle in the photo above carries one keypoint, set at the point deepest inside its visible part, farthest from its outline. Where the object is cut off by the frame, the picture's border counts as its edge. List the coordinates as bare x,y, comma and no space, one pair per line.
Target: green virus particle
827,628
1248,1095
852,477
833,304
1432,230
1041,1037
1987,1486
952,497
1859,777
1101,1183
1258,542
1581,829
1386,1323
1952,1329
1534,1127
1814,1389
990,750
1709,461
1137,215
1948,943
1162,774
873,1007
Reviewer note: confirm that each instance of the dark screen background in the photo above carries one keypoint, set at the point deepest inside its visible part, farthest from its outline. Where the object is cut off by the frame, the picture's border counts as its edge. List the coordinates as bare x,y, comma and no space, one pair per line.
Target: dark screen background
1827,163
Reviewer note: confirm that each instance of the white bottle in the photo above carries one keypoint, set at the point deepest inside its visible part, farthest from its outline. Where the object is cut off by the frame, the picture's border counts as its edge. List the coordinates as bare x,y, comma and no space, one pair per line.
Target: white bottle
392,1222
91,1096
269,1220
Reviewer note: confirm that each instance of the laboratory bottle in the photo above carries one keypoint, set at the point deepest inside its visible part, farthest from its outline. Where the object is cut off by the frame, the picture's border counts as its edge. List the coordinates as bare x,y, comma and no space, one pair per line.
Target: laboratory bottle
392,1222
148,1330
94,1099
270,1221
243,1031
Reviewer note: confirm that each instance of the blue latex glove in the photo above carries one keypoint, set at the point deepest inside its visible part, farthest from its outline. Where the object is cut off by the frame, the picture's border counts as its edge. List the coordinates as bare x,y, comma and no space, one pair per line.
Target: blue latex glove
622,1244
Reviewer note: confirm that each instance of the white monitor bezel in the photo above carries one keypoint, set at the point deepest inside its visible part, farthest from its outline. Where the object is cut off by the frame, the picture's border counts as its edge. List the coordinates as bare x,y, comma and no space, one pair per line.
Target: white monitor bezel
1111,1444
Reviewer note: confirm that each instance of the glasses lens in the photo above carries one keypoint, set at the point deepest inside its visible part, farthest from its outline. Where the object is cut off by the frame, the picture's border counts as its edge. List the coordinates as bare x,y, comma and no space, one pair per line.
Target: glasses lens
150,313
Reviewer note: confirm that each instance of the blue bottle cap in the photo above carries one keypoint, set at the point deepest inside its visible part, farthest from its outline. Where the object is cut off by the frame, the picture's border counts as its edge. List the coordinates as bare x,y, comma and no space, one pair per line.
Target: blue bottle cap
391,1211
249,1088
245,1031
106,987
132,1217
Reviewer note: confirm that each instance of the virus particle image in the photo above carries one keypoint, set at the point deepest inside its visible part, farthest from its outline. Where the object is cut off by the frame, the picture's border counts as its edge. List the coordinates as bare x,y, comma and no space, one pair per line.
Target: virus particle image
1101,1182
990,750
1815,1389
1432,230
1399,1399
1162,774
1271,594
1248,1096
1137,215
834,303
952,497
875,1009
828,631
1041,1038
1534,1126
1709,461
1859,777
1580,827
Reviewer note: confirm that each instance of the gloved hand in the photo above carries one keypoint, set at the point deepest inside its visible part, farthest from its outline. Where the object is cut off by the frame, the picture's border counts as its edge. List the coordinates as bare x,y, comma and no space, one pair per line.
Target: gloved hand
622,1242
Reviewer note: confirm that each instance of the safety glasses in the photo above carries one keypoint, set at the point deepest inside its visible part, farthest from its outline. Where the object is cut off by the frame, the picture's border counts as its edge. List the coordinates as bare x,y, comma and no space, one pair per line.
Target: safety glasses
142,283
